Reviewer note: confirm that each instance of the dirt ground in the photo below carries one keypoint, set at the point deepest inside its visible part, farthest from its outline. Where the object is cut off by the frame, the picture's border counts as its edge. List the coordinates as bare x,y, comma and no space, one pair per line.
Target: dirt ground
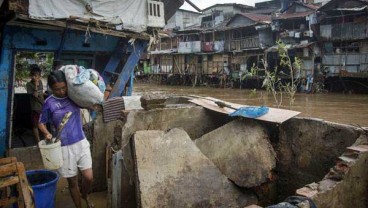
64,200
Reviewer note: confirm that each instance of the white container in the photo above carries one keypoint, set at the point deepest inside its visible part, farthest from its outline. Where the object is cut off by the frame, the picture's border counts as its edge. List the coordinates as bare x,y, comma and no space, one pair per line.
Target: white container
51,155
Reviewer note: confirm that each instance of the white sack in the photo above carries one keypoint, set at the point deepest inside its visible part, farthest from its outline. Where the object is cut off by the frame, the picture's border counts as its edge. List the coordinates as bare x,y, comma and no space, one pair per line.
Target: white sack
85,95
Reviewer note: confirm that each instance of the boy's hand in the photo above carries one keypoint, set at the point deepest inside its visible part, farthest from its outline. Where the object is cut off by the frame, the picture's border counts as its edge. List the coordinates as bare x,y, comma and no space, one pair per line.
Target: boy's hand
37,82
48,136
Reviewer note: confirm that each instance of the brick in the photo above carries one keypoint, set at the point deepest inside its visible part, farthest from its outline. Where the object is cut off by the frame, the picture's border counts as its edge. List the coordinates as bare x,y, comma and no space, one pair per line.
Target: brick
307,192
359,148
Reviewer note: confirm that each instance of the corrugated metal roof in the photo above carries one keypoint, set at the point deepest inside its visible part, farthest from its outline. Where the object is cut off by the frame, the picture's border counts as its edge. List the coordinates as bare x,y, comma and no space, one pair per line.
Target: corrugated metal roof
310,6
264,11
293,15
333,4
289,14
230,4
257,17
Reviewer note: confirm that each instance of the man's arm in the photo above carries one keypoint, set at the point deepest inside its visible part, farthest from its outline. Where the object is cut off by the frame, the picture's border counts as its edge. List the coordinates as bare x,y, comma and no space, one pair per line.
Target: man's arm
44,130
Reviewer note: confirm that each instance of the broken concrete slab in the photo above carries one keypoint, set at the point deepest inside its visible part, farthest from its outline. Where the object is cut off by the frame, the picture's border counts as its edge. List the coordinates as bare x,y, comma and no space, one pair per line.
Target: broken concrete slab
241,150
308,148
195,120
172,172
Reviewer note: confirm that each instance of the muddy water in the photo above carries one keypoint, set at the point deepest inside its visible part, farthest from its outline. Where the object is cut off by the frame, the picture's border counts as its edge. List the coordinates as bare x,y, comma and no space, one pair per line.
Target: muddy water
341,108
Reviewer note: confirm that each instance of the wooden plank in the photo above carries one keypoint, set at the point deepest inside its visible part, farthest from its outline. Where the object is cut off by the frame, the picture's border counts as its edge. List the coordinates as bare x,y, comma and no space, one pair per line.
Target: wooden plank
274,115
8,201
24,188
7,160
8,169
125,74
4,182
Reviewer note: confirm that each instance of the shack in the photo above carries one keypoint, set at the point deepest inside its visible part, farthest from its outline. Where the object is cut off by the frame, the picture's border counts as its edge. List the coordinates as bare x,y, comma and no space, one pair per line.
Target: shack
343,38
95,34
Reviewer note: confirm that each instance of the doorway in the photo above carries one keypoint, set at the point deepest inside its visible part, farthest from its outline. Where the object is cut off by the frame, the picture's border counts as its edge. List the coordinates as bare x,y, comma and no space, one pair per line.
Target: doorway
23,121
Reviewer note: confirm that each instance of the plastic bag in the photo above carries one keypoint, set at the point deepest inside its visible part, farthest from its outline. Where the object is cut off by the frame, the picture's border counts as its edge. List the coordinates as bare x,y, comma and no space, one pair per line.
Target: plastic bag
250,112
81,85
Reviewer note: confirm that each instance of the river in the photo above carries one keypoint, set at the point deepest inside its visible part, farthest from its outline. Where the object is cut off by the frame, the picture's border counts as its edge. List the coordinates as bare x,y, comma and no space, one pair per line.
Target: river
340,108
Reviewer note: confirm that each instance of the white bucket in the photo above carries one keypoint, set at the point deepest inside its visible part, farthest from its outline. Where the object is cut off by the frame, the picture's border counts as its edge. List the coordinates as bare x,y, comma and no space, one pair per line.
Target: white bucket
51,154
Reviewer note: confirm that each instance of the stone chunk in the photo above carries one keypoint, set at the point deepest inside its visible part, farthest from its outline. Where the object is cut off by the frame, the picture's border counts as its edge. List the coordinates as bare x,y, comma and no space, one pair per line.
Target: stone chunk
172,172
241,150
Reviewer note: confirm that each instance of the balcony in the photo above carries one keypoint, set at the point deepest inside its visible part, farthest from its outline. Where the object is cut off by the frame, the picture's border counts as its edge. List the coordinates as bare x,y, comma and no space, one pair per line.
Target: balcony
244,43
208,47
165,46
189,47
346,31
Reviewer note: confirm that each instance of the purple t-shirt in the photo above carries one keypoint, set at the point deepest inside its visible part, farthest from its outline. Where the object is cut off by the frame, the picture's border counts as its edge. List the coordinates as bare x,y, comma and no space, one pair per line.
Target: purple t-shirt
54,110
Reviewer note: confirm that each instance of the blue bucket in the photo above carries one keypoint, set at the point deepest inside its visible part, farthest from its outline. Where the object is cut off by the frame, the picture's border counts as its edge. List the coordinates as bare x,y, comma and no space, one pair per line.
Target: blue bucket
43,183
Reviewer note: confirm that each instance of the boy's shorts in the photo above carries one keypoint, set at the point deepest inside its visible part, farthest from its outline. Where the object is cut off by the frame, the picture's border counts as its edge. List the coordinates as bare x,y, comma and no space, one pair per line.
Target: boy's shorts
35,118
75,156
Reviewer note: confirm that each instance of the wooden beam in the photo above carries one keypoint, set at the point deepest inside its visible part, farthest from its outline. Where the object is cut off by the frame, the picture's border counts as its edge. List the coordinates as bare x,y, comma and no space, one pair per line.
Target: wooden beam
139,48
71,25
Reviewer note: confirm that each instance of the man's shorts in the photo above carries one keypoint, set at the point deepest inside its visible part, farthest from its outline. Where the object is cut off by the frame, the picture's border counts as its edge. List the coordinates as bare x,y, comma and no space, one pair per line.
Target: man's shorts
75,156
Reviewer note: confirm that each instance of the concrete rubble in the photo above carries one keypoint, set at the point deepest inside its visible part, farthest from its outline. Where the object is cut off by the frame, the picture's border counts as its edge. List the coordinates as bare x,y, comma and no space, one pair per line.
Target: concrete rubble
213,160
241,150
172,172
344,184
308,148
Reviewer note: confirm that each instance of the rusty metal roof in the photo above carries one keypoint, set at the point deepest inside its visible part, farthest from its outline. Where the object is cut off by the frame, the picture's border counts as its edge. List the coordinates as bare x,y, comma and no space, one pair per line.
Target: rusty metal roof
243,6
257,17
341,4
289,14
310,6
293,15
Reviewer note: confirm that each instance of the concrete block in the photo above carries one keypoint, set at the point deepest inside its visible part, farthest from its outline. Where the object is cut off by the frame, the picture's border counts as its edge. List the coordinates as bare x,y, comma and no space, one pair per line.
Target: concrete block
241,150
196,121
172,172
153,99
29,156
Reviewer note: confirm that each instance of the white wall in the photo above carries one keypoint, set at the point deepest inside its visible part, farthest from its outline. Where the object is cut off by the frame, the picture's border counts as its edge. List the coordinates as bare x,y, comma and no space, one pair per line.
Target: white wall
183,19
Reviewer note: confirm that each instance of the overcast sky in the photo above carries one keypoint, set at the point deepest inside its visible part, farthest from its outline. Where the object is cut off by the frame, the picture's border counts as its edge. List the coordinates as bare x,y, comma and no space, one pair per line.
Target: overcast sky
202,4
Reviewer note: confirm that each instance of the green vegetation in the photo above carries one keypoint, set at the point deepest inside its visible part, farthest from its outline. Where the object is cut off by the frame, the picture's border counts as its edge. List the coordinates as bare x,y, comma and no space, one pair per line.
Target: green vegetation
273,83
43,60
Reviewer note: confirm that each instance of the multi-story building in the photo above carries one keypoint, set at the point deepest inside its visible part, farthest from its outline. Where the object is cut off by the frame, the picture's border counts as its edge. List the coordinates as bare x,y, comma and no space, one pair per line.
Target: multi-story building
343,37
330,40
294,28
183,19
